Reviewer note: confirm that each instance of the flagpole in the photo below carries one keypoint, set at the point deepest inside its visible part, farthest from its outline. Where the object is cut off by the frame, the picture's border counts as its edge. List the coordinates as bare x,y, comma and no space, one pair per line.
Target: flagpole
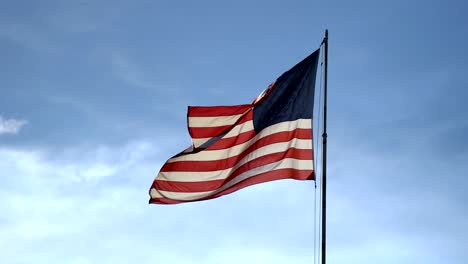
324,153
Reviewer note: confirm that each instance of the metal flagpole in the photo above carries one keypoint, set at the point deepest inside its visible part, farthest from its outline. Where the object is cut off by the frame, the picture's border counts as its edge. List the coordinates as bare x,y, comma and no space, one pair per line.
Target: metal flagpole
324,154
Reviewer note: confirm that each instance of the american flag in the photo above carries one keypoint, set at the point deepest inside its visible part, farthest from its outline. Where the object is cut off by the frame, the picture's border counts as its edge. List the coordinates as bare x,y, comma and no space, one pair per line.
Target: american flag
238,146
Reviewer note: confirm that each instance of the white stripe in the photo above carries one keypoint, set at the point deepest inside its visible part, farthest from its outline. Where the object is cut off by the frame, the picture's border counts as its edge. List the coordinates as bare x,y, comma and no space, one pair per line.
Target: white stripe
197,142
236,130
199,176
283,164
206,155
211,121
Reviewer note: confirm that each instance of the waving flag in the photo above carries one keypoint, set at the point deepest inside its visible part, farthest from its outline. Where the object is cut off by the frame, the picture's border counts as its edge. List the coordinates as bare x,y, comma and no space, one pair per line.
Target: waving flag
237,146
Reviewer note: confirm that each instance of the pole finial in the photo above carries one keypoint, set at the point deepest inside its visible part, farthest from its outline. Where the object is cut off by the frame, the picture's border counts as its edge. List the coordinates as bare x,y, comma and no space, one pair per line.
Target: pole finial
325,38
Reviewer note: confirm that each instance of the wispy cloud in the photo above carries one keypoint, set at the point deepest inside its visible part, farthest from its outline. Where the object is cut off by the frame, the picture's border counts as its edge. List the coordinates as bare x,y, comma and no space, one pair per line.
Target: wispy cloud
11,126
28,36
131,73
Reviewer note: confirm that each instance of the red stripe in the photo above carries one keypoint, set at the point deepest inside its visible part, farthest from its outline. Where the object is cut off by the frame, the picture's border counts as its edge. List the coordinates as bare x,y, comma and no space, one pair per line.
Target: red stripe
204,186
260,178
230,162
224,143
208,132
203,111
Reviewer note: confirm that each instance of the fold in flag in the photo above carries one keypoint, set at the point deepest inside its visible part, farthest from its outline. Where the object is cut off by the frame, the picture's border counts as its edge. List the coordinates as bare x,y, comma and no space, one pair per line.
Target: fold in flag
238,146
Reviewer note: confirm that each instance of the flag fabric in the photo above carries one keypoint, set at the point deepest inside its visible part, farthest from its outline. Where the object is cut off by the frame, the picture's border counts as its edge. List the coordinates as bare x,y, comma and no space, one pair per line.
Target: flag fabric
238,146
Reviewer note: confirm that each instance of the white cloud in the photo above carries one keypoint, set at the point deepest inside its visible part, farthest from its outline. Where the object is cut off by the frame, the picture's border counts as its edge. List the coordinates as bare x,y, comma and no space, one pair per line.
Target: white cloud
64,199
11,126
96,199
86,204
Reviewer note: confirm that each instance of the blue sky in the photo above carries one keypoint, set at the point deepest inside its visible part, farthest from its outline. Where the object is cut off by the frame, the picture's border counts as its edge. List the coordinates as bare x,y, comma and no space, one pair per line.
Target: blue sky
93,101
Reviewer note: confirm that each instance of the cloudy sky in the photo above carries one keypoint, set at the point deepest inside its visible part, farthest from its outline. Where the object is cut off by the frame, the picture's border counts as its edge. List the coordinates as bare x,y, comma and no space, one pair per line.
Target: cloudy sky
93,98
